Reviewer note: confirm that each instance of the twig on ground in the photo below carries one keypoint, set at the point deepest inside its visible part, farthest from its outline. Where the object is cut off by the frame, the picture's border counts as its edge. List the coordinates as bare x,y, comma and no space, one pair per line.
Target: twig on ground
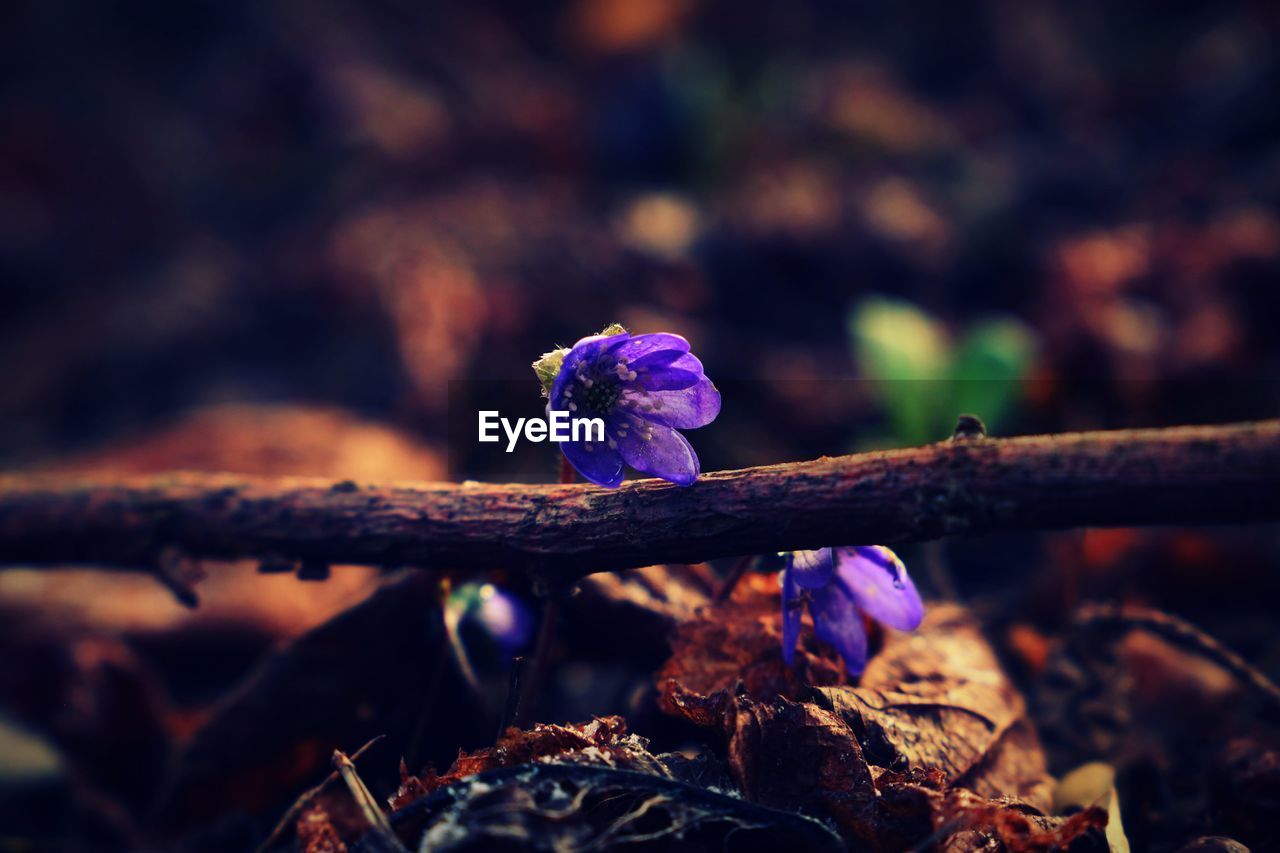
1185,475
307,796
379,826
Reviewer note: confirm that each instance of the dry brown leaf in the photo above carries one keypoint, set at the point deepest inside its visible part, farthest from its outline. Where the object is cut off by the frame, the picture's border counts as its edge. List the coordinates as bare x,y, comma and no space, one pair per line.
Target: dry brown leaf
648,601
785,754
933,699
602,741
956,819
937,699
933,708
316,833
740,641
557,806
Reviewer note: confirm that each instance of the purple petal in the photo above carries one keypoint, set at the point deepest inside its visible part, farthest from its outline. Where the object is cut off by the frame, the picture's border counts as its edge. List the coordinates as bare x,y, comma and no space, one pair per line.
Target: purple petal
792,604
811,569
688,408
880,584
660,358
654,449
689,362
636,347
600,464
583,353
666,379
504,616
837,622
669,358
592,347
667,370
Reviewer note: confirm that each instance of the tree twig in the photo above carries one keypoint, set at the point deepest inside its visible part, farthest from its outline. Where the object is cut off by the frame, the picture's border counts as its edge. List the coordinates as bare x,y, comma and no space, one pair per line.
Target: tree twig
379,826
1104,479
307,796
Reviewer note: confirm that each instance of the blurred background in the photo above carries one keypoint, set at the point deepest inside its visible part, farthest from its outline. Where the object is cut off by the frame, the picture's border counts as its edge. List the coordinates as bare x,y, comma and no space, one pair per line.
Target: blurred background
266,237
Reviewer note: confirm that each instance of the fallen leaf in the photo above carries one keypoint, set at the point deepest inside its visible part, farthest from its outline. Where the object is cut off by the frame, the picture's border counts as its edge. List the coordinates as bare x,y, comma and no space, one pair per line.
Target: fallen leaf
917,809
1089,785
603,741
645,603
740,640
316,833
787,754
276,731
555,806
933,705
938,699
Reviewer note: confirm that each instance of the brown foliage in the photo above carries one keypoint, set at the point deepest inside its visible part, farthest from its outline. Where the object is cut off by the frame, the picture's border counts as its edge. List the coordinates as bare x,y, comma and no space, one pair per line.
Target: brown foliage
738,642
938,699
961,820
933,742
316,833
603,741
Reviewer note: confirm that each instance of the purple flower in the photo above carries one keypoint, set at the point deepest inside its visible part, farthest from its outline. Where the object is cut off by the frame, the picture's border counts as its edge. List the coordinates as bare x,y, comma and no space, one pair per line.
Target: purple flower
840,585
644,388
502,616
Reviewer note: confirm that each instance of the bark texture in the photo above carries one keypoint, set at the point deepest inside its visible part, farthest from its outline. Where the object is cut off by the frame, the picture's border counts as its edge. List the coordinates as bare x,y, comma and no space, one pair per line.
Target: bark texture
966,485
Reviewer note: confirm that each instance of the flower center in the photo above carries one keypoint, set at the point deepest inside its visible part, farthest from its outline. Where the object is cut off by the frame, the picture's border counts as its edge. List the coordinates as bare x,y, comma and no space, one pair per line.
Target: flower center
599,397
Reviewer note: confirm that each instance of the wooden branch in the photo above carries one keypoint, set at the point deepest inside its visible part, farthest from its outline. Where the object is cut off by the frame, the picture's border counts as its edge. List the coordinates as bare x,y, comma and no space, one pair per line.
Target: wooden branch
1192,475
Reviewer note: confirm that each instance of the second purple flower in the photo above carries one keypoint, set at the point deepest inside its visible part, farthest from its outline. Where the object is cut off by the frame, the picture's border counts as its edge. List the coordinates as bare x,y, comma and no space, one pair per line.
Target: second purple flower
839,585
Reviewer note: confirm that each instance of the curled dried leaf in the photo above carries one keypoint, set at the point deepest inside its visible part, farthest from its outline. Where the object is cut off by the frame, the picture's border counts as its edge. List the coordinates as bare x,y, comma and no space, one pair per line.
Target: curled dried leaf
739,641
602,741
933,708
934,699
938,699
956,819
554,806
316,832
632,614
792,754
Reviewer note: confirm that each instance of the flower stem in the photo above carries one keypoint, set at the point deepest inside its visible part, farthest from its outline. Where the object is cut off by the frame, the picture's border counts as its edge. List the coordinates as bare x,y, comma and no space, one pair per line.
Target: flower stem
526,681
541,662
515,684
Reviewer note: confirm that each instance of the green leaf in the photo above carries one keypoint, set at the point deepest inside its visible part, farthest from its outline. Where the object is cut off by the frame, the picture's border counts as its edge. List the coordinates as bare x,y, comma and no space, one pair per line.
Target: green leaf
989,369
905,352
